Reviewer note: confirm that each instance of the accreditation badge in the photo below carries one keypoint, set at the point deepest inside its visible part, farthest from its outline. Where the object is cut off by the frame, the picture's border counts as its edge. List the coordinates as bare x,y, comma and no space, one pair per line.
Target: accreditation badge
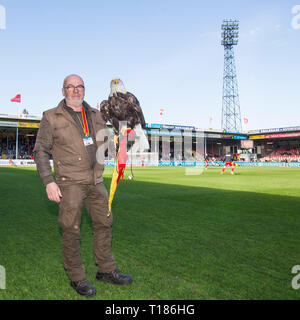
88,141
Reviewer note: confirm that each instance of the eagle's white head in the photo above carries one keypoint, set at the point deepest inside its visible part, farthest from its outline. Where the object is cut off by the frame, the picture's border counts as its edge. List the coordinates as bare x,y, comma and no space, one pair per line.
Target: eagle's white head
116,85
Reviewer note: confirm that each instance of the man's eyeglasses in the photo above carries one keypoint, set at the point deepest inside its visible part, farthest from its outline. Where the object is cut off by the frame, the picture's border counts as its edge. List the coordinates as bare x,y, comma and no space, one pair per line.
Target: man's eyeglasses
70,87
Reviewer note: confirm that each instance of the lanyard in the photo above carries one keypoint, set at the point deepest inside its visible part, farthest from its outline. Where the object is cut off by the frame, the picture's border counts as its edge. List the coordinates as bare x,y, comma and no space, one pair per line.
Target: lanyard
84,125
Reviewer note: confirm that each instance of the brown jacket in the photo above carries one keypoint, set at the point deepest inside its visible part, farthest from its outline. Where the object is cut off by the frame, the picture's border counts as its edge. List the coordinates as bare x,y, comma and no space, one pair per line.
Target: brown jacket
60,136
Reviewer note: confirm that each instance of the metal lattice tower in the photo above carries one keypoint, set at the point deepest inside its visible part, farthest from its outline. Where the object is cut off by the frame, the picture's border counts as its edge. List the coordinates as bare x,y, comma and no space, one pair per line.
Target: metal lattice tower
231,114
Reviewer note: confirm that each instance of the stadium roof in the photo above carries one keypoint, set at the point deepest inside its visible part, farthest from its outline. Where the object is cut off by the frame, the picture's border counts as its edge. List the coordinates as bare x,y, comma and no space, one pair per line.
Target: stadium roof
7,120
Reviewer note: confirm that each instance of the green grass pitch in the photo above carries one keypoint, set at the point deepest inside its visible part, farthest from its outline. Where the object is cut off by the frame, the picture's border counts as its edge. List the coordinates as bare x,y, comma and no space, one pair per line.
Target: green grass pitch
206,236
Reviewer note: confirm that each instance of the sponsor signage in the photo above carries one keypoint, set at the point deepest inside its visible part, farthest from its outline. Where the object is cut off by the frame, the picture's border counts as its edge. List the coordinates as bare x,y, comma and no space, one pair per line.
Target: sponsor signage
111,163
15,116
19,162
276,130
170,133
225,131
171,126
282,135
28,125
153,125
261,136
8,124
19,124
212,135
153,132
276,135
174,133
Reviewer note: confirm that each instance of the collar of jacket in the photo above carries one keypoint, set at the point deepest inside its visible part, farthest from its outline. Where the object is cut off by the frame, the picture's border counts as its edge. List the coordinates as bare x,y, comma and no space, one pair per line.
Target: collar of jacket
60,107
61,110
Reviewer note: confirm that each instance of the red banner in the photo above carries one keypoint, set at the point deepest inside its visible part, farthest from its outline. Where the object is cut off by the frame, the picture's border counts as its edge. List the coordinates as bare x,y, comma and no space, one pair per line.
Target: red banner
17,98
282,135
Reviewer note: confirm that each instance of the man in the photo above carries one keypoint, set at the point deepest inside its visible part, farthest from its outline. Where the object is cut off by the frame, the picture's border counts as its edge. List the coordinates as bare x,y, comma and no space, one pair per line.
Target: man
229,162
206,161
213,161
68,133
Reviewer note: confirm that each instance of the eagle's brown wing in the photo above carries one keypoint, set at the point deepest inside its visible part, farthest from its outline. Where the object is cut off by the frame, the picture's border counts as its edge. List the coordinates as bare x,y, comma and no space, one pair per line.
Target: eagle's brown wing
111,111
138,110
104,109
122,107
135,110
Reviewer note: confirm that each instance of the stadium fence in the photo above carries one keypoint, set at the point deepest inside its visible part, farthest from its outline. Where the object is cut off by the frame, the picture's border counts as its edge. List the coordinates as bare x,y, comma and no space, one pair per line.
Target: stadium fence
111,163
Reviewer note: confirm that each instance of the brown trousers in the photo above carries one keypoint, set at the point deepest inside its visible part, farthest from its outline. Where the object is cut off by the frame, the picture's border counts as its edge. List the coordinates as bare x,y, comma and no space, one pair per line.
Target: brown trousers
95,198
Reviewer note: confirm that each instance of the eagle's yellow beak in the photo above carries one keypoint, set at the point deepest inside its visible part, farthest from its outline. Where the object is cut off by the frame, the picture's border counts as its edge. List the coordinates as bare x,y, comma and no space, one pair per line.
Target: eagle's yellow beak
116,81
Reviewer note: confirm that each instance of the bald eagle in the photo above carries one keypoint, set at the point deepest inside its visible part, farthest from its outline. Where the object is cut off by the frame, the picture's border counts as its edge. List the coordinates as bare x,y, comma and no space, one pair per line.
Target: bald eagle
124,106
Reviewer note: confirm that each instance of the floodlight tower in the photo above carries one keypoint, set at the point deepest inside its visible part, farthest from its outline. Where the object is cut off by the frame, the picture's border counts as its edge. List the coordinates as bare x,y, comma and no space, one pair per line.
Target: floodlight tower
231,114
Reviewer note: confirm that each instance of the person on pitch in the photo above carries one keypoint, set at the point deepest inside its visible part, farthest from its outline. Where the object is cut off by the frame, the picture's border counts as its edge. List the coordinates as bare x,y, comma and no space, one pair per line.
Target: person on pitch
68,133
229,162
213,161
206,162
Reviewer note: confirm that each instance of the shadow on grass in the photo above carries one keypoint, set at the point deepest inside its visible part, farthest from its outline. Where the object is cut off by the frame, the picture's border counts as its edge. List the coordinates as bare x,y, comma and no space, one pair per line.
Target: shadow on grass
179,242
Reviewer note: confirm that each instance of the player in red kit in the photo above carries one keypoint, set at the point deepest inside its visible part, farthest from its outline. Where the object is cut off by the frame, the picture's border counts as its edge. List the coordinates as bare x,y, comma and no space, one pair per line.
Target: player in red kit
206,162
229,162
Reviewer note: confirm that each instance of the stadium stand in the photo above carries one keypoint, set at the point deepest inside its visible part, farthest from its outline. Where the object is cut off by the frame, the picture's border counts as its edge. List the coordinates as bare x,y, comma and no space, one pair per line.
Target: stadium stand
167,142
283,154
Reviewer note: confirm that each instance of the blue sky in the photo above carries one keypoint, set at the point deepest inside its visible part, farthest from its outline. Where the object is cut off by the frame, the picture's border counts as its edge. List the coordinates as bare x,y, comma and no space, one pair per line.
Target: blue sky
168,53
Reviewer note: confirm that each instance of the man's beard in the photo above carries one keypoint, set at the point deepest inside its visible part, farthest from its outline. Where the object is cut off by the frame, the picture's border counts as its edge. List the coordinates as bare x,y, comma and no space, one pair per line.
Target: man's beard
75,103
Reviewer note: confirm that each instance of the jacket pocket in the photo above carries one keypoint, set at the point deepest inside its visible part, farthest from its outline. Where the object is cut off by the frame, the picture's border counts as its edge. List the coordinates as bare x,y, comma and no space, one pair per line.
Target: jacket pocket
75,162
61,126
72,168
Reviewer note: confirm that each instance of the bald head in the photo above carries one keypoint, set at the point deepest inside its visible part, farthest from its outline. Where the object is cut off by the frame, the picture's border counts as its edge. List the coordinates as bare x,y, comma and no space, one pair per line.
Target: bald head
71,76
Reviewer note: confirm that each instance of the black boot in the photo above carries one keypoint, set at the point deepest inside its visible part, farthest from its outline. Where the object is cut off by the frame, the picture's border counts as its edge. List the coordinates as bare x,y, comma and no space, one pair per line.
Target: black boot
114,277
83,288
